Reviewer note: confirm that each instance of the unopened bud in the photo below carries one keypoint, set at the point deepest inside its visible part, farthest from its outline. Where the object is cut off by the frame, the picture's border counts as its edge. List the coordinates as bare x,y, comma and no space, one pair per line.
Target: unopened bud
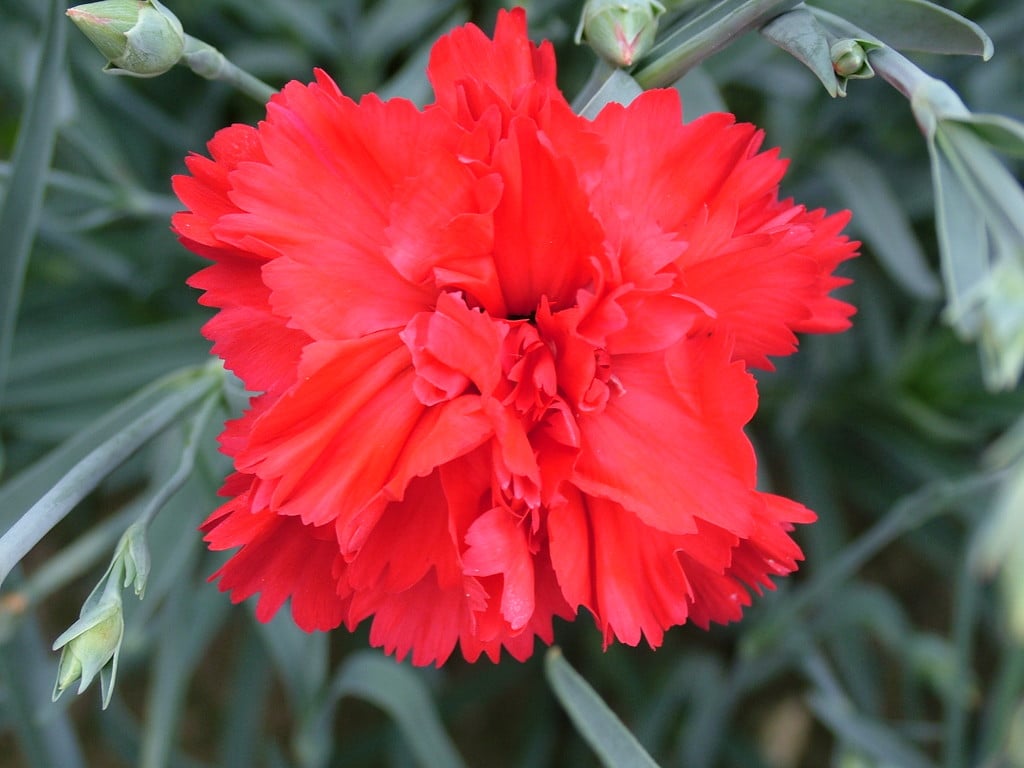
134,553
138,37
91,646
620,31
849,58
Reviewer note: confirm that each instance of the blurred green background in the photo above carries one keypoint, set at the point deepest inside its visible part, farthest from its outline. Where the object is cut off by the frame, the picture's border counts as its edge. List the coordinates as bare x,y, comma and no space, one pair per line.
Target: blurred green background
891,647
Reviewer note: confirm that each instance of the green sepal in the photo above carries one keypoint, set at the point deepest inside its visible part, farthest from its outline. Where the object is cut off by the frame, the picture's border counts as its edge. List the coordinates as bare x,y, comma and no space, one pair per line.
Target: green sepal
799,34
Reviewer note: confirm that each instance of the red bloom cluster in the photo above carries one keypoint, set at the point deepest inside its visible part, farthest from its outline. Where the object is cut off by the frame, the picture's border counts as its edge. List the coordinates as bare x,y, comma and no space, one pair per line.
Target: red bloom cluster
503,353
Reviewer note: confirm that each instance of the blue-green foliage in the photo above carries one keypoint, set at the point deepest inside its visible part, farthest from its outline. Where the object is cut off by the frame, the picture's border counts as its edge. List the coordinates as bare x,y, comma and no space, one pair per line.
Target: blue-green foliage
889,648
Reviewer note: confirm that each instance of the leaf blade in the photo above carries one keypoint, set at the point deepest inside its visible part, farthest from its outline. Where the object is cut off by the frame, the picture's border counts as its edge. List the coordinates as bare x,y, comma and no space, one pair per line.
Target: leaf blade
597,724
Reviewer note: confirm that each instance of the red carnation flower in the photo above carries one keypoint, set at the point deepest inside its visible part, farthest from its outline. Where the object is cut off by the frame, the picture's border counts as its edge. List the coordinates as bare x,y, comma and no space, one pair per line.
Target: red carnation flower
503,353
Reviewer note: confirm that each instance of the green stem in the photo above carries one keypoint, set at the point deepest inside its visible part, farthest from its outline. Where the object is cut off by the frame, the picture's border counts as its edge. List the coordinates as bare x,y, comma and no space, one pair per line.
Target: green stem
1002,703
188,461
704,36
183,390
206,61
60,570
955,703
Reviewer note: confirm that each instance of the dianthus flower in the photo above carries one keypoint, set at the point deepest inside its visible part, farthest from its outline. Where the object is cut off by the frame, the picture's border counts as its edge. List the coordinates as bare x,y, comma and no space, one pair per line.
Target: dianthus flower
503,354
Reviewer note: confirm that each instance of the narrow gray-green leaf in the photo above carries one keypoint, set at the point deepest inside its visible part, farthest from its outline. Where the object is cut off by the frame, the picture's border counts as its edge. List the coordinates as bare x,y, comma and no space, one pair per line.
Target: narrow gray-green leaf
192,617
915,25
833,706
700,94
615,746
174,395
867,735
998,131
242,737
799,34
399,691
22,204
997,193
20,492
284,643
879,219
963,244
44,732
619,88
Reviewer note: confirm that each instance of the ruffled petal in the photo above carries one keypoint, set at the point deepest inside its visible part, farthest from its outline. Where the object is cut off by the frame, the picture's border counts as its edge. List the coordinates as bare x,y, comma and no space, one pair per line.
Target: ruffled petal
508,64
545,236
253,341
324,455
670,446
280,558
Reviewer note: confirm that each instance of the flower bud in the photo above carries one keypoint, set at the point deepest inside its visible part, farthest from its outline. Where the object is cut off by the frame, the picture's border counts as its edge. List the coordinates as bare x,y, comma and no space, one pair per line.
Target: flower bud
620,31
89,646
134,553
138,37
849,58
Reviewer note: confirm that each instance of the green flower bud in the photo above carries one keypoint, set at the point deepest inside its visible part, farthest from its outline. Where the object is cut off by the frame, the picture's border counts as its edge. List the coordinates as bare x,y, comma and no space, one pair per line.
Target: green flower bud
134,553
849,58
620,31
138,37
89,646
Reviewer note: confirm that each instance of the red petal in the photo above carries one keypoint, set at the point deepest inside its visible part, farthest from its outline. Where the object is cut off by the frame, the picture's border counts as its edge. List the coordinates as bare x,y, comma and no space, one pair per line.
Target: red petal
498,545
545,236
507,64
254,342
329,445
670,447
280,558
640,586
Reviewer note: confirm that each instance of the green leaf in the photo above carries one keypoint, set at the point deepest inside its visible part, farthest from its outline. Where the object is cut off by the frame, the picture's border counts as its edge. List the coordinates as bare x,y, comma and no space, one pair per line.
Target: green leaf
398,690
995,191
799,34
603,731
242,734
45,732
284,643
619,88
69,473
700,94
998,131
867,735
915,25
880,220
963,244
191,619
393,24
22,204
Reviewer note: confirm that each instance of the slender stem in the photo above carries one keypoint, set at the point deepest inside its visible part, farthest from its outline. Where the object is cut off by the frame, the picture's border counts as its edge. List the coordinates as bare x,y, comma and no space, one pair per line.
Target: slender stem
1002,703
955,706
62,568
188,461
704,36
206,61
898,71
55,504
